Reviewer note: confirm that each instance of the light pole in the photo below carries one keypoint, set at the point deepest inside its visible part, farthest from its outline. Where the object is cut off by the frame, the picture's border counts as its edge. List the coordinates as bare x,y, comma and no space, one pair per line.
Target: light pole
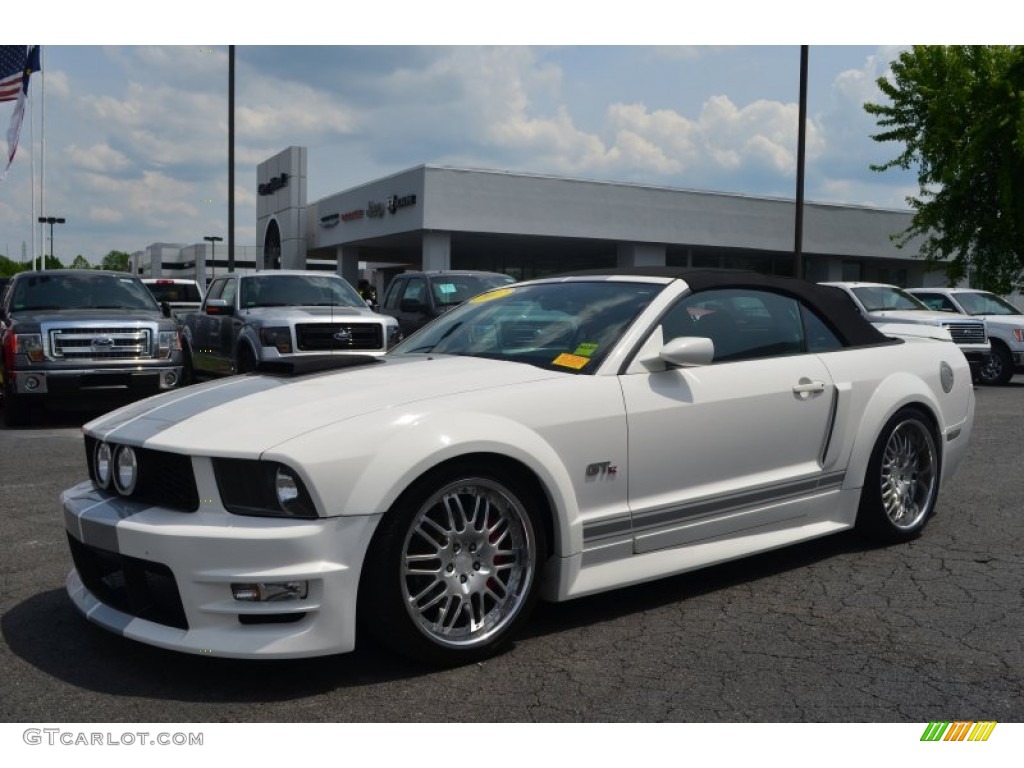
51,220
212,240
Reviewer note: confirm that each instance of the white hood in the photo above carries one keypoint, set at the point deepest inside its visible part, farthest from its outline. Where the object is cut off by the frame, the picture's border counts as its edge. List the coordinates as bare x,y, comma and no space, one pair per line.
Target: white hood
246,415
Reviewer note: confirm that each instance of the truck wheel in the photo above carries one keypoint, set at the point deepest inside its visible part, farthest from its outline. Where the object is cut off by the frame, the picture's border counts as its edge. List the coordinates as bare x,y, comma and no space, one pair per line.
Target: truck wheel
16,410
245,360
998,369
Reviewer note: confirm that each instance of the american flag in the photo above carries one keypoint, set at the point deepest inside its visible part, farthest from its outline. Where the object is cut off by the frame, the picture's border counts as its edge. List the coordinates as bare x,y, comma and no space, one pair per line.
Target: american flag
13,60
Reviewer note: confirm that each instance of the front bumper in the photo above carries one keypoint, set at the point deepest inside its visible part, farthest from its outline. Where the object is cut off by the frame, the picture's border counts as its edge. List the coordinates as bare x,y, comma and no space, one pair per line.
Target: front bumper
164,577
75,382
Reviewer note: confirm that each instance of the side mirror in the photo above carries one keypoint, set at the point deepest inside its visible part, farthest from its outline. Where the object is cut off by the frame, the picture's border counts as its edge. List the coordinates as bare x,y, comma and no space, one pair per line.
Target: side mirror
165,309
219,307
688,351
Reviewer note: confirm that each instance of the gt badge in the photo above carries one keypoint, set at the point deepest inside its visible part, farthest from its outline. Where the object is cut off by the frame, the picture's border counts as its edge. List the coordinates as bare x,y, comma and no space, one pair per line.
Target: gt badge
601,469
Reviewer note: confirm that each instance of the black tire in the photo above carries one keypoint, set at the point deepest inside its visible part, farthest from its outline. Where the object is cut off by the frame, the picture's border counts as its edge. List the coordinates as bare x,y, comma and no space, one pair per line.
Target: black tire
454,567
998,369
902,480
17,413
188,372
245,359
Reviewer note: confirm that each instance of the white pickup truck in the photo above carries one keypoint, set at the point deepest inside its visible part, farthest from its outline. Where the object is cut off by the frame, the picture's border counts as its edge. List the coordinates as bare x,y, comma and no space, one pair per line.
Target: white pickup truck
1005,324
248,319
890,308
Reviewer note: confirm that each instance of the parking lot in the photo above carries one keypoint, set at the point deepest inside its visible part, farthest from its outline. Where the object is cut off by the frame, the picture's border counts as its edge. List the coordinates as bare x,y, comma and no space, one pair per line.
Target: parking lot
830,631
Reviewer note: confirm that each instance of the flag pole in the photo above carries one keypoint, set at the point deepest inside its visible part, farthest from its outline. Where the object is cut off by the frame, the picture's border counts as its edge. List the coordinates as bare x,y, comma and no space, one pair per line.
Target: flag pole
42,155
32,162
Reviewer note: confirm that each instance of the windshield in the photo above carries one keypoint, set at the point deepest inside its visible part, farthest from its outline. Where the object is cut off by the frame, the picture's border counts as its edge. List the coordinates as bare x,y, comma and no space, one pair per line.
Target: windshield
81,291
877,298
298,291
451,290
168,291
985,304
563,326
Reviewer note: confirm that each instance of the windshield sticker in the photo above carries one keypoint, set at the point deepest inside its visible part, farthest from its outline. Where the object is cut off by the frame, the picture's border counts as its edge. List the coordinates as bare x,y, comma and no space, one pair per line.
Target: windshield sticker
446,288
491,295
586,349
570,361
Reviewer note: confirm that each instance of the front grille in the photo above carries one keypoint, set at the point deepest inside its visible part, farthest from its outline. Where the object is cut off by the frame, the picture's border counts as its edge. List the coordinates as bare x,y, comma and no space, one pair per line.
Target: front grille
966,333
137,587
336,337
165,479
84,343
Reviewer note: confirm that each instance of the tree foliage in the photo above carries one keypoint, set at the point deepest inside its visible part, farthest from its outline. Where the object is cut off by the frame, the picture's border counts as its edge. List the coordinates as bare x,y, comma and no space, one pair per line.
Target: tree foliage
958,111
116,260
81,262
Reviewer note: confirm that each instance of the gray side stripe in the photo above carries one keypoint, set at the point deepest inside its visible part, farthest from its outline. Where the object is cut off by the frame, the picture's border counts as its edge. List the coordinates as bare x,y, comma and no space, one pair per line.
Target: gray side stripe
714,505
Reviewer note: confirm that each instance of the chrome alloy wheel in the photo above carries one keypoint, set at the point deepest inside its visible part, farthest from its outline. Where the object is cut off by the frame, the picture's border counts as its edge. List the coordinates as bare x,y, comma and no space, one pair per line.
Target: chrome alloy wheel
908,474
468,562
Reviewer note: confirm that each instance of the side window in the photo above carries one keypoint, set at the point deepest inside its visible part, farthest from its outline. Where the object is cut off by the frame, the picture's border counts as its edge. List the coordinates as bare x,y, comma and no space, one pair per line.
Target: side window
215,288
743,324
937,302
230,286
819,337
415,291
393,297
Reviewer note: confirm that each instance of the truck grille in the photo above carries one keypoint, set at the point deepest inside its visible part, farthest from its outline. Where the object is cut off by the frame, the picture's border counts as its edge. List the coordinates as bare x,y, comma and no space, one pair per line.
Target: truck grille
334,337
966,333
85,343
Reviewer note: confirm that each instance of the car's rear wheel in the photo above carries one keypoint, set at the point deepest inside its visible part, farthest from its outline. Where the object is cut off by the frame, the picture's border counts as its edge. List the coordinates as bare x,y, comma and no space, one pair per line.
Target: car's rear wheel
245,361
902,481
998,369
454,568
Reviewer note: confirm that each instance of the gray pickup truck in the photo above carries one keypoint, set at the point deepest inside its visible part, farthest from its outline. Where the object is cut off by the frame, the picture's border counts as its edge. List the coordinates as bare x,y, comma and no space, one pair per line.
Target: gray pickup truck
82,338
247,319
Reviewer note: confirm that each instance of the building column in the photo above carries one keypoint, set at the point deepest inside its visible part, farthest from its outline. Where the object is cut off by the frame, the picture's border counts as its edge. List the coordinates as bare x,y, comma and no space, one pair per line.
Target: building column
639,255
437,250
348,263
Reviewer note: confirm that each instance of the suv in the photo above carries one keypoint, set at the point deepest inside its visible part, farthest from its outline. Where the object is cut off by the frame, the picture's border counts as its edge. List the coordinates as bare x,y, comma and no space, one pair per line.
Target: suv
416,298
1005,324
182,296
260,317
75,335
889,307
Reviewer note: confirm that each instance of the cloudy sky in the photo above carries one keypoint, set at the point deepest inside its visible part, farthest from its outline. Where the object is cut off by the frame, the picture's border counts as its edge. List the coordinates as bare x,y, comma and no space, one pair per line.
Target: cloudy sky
136,136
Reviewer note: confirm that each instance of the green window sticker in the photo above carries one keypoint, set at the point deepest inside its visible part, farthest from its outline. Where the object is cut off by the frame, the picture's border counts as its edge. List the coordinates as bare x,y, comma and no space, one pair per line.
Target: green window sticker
586,349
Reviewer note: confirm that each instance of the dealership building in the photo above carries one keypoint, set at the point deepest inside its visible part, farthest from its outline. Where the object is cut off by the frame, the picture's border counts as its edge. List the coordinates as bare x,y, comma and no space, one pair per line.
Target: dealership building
527,225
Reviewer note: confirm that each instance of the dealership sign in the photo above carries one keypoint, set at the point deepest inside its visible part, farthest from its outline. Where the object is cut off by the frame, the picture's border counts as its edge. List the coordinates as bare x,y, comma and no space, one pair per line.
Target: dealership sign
375,209
276,183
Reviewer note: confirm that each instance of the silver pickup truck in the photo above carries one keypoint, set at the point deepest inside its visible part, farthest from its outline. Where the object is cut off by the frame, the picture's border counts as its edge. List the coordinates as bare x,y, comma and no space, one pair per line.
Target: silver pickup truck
247,319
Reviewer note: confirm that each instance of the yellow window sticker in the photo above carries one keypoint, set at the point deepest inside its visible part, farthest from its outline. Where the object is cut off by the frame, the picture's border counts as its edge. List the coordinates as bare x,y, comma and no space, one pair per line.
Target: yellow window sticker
491,295
570,361
586,349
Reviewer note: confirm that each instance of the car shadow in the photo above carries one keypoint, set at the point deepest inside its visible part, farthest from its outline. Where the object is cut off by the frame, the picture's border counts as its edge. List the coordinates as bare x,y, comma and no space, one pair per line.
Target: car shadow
47,632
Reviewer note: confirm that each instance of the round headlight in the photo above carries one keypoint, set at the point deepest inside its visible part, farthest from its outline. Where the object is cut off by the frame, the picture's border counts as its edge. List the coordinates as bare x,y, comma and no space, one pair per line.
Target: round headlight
126,470
103,465
286,487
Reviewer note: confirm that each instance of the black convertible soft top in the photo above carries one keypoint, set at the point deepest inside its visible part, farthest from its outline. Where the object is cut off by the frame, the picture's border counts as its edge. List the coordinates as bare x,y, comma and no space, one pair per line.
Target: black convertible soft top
830,303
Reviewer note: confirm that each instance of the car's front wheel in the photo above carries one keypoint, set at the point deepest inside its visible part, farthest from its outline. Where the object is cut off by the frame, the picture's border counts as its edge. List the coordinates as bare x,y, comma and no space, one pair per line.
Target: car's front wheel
454,568
902,481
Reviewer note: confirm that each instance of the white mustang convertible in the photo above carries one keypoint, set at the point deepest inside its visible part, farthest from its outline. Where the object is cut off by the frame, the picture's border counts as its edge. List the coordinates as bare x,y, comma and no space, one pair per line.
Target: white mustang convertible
553,439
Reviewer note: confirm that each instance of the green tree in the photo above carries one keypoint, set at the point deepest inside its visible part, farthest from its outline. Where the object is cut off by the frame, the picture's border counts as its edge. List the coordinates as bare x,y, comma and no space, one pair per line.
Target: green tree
81,262
116,260
959,113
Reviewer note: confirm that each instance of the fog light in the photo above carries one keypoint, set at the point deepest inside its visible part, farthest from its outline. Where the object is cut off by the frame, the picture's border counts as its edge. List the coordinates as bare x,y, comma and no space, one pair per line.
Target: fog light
170,378
270,591
31,383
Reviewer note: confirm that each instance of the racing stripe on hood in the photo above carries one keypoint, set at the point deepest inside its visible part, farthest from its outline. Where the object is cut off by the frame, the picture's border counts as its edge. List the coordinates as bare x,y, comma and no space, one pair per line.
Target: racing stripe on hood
136,425
92,518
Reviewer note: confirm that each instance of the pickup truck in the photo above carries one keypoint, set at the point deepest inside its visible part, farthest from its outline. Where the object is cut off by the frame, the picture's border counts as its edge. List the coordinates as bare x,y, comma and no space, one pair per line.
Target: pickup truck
416,298
890,308
82,338
1004,322
248,319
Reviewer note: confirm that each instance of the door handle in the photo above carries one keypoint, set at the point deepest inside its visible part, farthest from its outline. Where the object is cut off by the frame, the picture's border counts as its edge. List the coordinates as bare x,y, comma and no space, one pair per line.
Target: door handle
806,388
